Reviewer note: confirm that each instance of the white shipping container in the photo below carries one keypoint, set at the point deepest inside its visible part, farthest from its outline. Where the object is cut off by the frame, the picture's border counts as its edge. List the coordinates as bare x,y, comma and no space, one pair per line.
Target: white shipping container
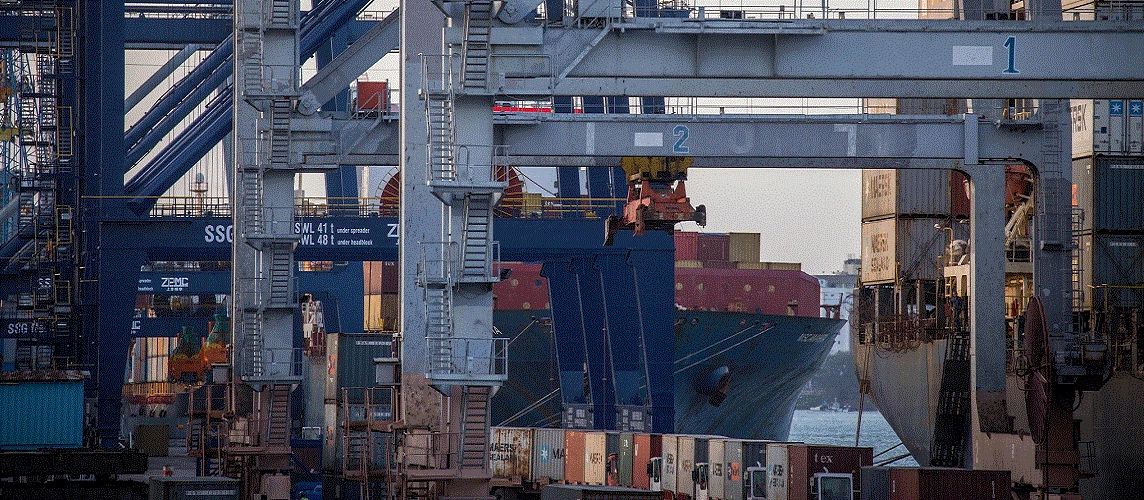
595,454
670,463
1116,125
778,472
716,470
901,248
1136,126
890,193
683,483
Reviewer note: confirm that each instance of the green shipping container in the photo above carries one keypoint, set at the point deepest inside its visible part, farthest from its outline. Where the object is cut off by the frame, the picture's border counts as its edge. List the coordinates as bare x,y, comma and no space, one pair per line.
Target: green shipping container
627,448
57,400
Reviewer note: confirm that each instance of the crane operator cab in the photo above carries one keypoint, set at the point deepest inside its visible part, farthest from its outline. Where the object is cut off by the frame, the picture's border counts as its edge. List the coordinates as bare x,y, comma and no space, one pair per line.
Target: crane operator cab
699,477
756,483
655,474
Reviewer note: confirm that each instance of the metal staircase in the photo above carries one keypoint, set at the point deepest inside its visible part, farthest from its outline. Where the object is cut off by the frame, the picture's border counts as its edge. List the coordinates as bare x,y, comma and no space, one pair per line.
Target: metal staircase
475,51
477,258
442,137
252,343
952,419
439,327
475,427
278,419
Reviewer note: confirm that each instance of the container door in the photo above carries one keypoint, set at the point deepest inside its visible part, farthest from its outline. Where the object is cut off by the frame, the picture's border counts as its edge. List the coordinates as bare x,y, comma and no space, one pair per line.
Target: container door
716,485
702,479
734,474
756,483
669,462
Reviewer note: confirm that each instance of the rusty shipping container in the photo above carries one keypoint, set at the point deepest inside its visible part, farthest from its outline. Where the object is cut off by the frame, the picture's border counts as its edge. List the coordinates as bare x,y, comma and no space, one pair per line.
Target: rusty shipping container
547,455
510,454
574,457
888,193
686,245
948,484
895,249
792,466
595,458
713,246
743,247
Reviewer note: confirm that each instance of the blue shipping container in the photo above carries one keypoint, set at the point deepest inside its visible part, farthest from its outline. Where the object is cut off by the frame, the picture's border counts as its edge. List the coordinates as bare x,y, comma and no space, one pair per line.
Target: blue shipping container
41,414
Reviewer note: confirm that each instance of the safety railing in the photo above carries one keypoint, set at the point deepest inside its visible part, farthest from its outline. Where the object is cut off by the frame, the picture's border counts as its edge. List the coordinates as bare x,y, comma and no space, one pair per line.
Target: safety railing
477,164
742,10
285,362
438,265
523,65
438,73
475,356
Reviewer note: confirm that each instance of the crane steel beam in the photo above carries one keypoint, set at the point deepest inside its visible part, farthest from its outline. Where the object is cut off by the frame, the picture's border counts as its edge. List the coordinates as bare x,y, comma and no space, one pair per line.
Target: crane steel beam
836,58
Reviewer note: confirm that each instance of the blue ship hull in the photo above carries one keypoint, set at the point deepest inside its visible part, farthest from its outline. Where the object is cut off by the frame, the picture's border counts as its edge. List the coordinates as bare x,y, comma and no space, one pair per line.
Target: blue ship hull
736,374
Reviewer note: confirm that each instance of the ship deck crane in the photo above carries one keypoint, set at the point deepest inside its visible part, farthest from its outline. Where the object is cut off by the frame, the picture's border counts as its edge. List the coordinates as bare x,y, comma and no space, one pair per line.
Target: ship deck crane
657,197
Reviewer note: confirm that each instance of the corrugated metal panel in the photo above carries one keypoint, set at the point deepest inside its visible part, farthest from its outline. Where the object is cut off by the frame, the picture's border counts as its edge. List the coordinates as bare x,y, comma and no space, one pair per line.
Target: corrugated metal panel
686,460
548,455
670,461
574,457
641,457
380,277
894,193
690,264
686,245
875,483
1135,126
778,471
753,291
595,454
901,248
612,458
1113,260
743,247
1117,194
712,246
57,419
625,459
720,264
510,453
947,484
717,468
350,357
733,478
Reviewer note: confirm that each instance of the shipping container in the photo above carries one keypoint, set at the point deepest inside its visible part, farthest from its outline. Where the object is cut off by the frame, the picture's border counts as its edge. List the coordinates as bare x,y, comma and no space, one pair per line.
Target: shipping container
777,266
888,193
152,440
195,488
894,249
875,483
948,484
670,461
716,459
686,245
643,450
743,247
781,292
524,289
959,205
381,312
372,96
548,455
381,277
575,492
612,446
1111,264
713,246
1110,191
574,457
734,470
689,264
1107,127
685,460
510,454
595,454
350,358
792,466
624,460
57,400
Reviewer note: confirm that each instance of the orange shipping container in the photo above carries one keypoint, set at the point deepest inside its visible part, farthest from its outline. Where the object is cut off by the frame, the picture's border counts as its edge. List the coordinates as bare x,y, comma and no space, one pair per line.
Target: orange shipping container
372,96
641,457
573,457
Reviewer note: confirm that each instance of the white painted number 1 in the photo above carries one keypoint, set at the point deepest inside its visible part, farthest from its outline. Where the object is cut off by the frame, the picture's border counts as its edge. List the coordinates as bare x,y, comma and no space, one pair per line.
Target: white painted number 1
1011,44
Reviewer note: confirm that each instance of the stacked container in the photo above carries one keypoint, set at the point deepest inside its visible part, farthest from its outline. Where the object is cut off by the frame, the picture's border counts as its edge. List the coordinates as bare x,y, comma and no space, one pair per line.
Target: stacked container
941,483
791,467
899,211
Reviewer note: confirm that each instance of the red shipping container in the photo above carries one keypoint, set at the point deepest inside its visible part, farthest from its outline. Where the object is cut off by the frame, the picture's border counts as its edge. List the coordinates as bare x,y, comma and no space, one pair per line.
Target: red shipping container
372,96
381,277
524,289
804,461
713,247
686,244
942,484
766,291
959,194
641,457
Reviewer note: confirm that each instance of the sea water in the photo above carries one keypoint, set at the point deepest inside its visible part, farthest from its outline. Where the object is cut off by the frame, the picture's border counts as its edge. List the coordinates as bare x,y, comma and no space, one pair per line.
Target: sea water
839,428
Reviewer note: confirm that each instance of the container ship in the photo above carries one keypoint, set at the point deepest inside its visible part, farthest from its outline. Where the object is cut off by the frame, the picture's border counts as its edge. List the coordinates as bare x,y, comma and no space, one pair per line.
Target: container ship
747,336
910,334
